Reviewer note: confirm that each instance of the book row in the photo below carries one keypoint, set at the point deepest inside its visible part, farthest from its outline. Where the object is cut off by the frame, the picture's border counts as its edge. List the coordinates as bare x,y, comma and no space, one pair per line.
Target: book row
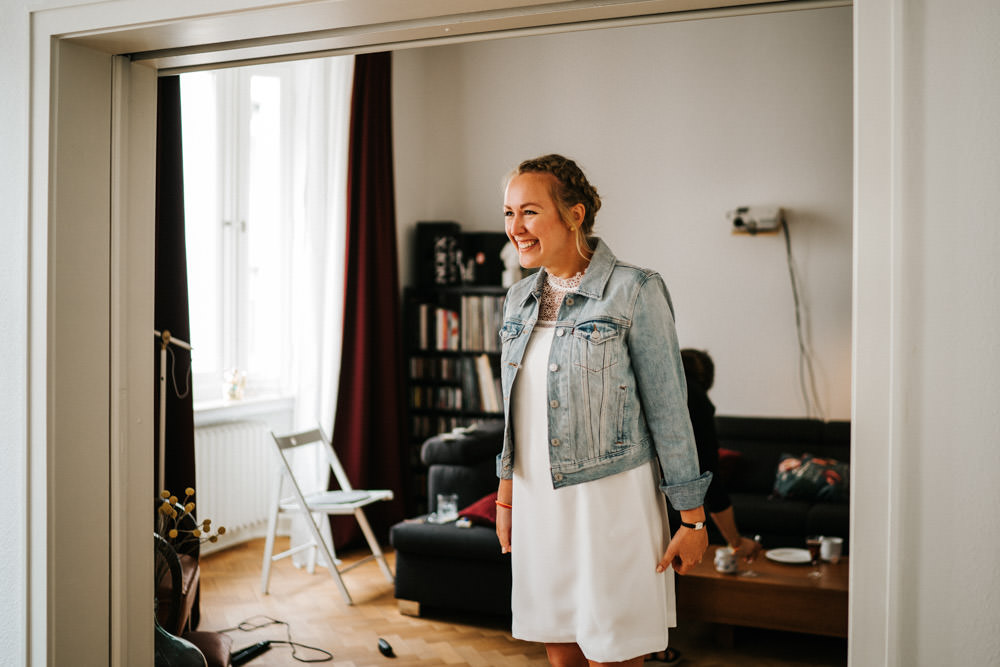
478,391
473,326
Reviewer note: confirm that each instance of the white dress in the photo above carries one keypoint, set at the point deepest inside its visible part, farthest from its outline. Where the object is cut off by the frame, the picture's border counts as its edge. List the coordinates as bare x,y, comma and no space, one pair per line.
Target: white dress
583,556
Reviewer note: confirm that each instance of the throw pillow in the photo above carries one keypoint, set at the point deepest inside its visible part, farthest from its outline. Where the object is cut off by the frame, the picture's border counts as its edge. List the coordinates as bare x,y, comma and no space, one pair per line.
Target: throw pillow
483,512
729,462
808,477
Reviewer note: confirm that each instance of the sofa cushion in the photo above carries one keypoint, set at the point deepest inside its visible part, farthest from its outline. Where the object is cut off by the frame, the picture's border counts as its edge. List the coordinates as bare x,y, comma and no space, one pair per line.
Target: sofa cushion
811,478
447,540
469,482
762,441
730,461
483,512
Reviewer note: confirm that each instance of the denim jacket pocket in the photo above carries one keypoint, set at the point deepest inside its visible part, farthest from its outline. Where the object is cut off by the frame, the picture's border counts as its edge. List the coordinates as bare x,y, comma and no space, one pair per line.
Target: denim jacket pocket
509,330
598,344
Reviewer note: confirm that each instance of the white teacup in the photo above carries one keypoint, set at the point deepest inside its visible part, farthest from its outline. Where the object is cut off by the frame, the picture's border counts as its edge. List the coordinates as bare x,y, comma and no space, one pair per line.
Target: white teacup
830,549
725,560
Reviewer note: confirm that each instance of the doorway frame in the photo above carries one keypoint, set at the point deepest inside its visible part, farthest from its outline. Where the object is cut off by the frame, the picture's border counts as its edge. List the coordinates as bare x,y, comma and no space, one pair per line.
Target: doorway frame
125,283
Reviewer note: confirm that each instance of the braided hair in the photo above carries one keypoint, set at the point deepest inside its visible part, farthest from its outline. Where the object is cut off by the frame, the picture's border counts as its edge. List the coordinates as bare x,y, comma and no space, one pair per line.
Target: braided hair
570,187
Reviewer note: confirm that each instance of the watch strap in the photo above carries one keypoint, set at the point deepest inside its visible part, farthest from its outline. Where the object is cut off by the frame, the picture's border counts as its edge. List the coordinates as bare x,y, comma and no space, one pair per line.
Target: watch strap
699,525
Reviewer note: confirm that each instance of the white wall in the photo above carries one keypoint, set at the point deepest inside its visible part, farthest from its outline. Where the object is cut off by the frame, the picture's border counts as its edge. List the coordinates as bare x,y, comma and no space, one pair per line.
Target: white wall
675,124
948,573
14,77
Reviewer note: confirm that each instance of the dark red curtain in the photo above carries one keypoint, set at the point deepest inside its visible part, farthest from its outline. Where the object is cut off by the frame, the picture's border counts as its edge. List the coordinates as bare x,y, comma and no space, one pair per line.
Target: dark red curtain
171,299
368,429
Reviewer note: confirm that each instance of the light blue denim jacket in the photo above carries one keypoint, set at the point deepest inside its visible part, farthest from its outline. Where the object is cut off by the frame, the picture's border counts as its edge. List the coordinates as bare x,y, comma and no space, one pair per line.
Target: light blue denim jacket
617,395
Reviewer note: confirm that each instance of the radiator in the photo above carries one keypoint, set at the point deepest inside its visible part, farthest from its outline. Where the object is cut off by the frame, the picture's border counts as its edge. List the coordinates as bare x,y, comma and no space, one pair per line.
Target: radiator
234,468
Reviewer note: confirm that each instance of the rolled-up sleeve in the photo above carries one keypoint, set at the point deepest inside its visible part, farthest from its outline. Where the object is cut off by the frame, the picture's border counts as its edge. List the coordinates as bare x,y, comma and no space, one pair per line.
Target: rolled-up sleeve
656,361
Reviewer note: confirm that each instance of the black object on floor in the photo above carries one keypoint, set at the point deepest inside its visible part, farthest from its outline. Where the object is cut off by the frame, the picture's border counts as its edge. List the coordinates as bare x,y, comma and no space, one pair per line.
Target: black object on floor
247,654
384,648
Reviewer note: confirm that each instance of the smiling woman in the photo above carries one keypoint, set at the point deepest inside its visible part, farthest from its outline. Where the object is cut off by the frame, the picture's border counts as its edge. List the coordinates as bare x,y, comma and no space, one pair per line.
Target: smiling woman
596,420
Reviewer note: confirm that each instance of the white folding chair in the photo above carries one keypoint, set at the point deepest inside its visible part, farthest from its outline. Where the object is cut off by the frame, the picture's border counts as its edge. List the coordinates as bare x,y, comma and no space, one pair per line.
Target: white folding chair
316,506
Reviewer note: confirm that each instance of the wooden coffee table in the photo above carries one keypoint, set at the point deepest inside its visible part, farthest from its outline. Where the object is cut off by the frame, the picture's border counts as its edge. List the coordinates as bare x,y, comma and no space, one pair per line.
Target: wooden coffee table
782,597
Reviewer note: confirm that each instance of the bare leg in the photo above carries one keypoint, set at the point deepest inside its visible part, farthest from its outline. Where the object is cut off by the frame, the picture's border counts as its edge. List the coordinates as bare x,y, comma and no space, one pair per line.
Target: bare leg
565,655
634,662
570,655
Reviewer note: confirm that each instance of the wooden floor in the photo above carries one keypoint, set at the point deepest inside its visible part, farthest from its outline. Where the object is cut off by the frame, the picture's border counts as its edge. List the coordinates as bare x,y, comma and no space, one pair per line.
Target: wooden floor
317,616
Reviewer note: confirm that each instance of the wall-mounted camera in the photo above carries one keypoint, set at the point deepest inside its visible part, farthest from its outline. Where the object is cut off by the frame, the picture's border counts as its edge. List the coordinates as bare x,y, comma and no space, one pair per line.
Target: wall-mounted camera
755,219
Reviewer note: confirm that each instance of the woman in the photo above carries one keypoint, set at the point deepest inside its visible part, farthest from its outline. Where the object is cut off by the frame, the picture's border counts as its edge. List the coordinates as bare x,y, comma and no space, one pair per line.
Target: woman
594,397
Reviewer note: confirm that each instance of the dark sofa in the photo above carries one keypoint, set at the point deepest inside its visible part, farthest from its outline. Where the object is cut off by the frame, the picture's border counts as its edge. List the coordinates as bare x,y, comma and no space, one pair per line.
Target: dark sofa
453,568
750,475
446,566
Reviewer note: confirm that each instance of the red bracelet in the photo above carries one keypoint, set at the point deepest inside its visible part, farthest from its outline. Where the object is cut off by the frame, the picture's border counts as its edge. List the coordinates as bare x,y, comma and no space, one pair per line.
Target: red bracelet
500,504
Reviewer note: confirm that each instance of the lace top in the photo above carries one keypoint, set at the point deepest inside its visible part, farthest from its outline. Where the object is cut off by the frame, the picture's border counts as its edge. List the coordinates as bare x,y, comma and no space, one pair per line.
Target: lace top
552,295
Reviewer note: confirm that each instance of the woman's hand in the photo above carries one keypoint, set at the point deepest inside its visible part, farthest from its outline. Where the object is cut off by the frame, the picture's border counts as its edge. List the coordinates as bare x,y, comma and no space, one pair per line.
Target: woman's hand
504,495
685,550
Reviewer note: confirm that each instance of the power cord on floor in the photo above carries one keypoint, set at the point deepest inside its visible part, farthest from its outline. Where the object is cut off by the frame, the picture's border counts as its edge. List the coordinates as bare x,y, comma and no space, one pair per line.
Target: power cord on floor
252,651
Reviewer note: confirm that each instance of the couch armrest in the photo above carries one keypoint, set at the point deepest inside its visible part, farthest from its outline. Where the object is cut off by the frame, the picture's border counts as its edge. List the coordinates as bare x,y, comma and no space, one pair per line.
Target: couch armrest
466,446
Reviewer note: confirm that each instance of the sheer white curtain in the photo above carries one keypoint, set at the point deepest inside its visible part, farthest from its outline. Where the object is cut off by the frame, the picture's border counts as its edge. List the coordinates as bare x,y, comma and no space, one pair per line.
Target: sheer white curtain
319,149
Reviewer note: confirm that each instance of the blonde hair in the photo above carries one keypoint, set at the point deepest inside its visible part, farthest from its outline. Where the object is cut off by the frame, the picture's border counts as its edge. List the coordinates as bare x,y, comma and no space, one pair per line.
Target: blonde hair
570,187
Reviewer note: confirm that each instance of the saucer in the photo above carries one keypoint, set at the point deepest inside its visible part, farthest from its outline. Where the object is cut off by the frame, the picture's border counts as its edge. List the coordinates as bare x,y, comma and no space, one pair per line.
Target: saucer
789,555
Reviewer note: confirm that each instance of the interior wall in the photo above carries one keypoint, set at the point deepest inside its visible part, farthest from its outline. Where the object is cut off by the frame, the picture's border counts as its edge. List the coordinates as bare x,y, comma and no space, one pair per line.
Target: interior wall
948,574
675,124
14,133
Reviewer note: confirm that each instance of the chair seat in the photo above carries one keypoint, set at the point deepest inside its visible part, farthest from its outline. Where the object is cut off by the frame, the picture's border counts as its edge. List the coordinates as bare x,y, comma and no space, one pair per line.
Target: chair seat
190,575
215,646
338,501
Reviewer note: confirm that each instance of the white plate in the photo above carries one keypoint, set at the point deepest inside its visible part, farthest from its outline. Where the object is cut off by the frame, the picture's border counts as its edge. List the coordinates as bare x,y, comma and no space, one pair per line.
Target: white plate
789,555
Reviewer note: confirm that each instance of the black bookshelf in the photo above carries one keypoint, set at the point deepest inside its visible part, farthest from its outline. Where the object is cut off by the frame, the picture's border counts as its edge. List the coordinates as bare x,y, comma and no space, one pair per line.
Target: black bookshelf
452,366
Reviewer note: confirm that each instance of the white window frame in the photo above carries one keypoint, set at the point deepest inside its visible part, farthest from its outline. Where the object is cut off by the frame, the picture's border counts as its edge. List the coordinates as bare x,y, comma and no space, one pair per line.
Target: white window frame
233,114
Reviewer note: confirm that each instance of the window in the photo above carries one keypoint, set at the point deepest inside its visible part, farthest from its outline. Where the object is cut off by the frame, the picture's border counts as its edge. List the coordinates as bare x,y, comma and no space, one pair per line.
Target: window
250,135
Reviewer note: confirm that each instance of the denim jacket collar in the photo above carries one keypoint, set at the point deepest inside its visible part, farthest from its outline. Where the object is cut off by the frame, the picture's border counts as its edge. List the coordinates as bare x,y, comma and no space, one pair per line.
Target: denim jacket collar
602,263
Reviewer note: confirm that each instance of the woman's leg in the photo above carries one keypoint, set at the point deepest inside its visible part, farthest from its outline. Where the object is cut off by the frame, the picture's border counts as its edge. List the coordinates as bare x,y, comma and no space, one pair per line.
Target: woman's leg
565,655
634,662
570,655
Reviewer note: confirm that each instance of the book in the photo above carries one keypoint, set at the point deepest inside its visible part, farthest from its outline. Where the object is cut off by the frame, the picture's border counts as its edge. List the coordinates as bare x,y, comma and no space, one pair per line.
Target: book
487,387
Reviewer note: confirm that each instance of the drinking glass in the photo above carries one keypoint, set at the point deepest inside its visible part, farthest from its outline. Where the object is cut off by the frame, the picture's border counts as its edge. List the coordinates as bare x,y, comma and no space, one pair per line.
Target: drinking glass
750,572
447,506
813,543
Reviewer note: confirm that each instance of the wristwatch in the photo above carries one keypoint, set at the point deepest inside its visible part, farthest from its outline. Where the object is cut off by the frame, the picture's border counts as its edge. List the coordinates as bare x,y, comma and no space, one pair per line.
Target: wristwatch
698,525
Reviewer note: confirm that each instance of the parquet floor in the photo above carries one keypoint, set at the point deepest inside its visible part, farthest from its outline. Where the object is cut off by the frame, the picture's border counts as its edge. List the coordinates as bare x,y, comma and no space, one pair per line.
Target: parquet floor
317,616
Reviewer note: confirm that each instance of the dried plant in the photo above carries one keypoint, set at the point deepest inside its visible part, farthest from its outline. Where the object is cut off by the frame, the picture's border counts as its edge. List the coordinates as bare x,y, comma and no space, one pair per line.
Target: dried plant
170,522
